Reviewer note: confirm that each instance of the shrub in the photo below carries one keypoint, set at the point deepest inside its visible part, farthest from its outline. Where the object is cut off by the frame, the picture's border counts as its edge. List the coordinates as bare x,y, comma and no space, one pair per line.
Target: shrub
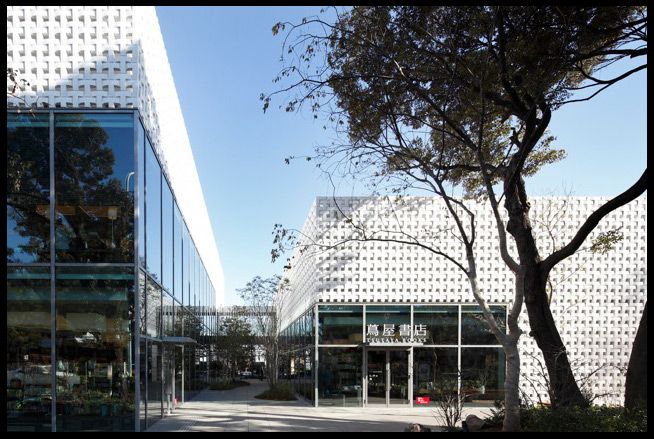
279,392
578,419
228,385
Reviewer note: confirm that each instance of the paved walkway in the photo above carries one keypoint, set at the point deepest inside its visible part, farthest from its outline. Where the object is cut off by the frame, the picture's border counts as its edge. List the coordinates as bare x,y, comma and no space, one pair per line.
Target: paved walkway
237,410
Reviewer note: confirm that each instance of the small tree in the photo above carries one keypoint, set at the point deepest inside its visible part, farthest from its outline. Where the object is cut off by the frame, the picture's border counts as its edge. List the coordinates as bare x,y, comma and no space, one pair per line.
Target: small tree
236,345
449,401
264,297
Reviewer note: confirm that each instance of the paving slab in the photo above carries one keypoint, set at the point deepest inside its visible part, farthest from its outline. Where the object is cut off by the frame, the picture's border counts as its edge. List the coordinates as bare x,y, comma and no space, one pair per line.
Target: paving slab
238,410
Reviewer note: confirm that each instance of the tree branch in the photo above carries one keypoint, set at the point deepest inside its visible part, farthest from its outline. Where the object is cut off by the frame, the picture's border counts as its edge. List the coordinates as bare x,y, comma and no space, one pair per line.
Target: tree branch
627,196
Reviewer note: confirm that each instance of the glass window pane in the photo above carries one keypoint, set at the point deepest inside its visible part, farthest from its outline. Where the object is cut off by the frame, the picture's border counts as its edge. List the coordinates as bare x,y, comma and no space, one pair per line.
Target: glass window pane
178,261
140,160
339,377
28,188
441,322
155,382
153,320
482,374
142,304
167,236
95,364
143,376
186,265
29,391
94,202
153,213
168,311
388,322
434,372
340,324
474,328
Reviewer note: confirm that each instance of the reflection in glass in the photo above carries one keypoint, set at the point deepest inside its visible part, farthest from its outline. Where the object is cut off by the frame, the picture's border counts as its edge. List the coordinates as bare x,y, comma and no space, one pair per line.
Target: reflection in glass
185,267
28,188
178,256
153,311
377,377
155,391
434,371
153,212
398,393
482,374
474,328
441,321
388,318
339,377
168,312
142,304
95,368
143,376
167,237
140,160
340,324
29,393
94,185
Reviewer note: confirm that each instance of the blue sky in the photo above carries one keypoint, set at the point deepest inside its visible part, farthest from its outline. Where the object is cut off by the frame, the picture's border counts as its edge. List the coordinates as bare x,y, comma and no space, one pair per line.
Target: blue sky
222,58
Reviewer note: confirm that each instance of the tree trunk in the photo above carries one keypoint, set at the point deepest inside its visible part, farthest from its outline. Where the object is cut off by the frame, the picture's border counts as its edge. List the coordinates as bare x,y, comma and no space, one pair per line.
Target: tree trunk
636,383
564,389
511,388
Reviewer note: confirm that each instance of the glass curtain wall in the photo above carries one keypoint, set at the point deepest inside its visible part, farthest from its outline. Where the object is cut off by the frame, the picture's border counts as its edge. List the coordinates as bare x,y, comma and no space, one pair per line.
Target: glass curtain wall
459,353
76,299
297,352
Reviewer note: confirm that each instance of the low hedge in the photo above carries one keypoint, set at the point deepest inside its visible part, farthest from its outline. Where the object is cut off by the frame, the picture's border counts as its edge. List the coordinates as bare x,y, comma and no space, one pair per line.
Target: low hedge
279,392
228,385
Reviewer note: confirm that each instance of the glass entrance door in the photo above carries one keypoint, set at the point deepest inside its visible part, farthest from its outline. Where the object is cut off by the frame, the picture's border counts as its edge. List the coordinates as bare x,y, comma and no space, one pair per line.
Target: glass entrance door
398,392
388,377
376,377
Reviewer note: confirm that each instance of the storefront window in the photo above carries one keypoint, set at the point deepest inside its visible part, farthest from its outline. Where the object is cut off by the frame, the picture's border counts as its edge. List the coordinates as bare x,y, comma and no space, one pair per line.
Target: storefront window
95,368
482,374
435,372
339,377
340,324
29,390
28,188
441,322
94,185
474,328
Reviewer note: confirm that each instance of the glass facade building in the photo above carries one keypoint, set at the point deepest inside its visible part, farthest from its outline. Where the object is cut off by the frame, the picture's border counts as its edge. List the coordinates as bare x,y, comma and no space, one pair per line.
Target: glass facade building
109,319
401,354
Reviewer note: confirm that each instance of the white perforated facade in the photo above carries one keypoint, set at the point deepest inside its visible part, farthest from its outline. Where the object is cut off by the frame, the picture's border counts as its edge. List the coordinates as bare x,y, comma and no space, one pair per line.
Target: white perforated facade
112,57
597,302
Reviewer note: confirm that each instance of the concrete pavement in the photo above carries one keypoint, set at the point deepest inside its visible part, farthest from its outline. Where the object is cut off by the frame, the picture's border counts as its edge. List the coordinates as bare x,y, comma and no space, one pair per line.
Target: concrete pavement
238,410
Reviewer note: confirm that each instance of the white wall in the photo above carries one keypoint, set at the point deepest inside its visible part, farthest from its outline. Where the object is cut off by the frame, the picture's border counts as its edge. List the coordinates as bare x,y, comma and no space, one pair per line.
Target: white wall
598,299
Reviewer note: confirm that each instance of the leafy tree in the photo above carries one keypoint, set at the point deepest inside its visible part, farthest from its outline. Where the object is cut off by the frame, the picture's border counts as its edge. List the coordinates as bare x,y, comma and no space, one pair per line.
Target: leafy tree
463,96
235,345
